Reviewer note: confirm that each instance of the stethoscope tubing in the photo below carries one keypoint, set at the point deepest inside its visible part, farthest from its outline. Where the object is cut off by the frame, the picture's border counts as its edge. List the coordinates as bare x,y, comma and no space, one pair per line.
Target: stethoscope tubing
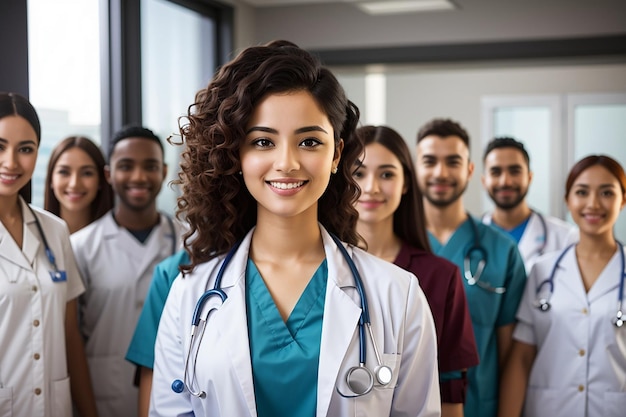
474,279
543,304
382,372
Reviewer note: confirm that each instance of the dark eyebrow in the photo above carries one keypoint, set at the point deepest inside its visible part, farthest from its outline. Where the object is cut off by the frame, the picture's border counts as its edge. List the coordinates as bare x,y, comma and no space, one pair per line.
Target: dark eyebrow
24,142
455,157
387,166
384,166
297,131
600,186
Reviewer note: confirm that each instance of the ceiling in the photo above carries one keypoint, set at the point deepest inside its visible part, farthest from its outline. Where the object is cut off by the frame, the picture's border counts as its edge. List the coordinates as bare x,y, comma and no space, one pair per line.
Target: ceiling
374,7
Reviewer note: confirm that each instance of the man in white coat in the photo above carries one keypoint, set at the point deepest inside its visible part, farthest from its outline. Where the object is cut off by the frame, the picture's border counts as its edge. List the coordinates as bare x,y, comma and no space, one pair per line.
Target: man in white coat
506,178
116,256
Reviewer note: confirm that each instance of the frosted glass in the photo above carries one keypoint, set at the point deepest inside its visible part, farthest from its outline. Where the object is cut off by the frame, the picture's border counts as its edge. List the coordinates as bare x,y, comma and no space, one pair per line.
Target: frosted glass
531,126
601,129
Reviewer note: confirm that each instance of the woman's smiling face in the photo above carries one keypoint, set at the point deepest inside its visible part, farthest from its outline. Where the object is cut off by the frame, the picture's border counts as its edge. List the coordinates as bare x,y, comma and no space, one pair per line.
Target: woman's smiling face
288,154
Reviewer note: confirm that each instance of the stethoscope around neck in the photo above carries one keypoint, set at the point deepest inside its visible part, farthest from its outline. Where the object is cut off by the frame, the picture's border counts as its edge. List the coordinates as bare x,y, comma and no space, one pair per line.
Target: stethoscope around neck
56,274
474,279
543,303
360,379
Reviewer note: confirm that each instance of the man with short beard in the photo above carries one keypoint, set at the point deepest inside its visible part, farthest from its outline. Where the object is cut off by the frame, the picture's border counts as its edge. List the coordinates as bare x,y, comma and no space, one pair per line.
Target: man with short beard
506,178
492,267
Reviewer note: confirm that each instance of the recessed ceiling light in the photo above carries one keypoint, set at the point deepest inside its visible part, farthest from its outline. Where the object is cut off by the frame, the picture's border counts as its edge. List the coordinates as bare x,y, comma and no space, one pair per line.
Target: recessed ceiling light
406,6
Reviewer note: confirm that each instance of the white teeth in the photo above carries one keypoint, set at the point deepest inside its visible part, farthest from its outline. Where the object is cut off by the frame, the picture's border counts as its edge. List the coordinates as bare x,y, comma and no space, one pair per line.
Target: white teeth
286,185
8,177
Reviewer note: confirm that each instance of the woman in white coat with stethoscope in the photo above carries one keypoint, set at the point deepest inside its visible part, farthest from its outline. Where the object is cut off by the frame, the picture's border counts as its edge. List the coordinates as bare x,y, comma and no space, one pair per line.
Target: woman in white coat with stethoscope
569,357
287,320
42,359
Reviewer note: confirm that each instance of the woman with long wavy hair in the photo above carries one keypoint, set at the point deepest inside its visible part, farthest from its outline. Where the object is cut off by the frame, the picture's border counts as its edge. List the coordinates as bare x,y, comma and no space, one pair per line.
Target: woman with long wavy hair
300,321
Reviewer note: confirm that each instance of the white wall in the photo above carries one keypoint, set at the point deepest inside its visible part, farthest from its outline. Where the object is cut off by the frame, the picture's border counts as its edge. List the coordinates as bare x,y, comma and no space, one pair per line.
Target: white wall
416,94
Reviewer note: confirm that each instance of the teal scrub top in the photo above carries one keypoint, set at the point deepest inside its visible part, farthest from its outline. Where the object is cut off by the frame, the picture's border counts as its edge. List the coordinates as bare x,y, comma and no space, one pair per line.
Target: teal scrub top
504,268
141,349
285,355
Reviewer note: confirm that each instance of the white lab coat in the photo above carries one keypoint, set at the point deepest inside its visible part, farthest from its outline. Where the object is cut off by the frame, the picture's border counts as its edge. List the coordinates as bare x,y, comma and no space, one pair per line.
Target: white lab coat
559,235
34,380
401,321
580,367
116,270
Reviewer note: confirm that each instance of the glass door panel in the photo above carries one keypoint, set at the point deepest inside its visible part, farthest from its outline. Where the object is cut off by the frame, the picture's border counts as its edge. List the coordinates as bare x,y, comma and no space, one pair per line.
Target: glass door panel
598,126
534,121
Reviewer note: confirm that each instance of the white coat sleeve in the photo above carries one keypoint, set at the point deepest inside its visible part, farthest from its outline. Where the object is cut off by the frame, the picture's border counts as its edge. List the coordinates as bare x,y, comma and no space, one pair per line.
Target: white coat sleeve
169,360
418,381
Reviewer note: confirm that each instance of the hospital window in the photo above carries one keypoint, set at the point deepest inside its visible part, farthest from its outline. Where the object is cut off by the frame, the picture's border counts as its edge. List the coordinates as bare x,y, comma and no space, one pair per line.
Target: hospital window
558,130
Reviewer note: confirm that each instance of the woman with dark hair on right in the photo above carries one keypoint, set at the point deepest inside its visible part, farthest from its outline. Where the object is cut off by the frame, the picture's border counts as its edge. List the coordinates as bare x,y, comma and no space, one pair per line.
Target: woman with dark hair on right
569,354
391,220
287,319
76,188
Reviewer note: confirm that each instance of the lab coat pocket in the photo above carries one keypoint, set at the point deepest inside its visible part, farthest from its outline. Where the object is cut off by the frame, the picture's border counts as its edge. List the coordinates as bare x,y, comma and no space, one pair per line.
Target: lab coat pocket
61,399
615,345
614,404
6,402
548,402
107,377
378,401
392,360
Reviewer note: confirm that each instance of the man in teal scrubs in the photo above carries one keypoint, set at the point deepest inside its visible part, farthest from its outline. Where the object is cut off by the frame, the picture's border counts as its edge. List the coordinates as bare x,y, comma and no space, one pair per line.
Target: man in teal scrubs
493,270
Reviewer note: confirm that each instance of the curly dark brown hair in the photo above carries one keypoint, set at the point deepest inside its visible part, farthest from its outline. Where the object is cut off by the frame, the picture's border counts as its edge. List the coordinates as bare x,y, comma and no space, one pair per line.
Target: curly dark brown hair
215,201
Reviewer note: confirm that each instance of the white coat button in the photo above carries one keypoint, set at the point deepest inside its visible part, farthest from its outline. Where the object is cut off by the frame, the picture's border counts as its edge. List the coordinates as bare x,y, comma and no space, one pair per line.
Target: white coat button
584,311
37,391
139,304
36,323
34,288
581,388
36,356
581,352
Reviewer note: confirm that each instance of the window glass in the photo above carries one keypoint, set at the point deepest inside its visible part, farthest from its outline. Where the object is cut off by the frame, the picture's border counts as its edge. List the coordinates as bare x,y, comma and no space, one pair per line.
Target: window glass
531,126
601,129
64,75
178,59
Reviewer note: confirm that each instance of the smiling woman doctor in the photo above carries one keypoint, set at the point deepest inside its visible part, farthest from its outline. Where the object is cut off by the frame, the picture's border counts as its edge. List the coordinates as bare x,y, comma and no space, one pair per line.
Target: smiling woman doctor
39,284
569,354
295,313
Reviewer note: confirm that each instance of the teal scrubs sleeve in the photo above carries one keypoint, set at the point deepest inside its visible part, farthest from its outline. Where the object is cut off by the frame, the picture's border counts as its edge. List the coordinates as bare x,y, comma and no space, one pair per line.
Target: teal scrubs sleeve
141,349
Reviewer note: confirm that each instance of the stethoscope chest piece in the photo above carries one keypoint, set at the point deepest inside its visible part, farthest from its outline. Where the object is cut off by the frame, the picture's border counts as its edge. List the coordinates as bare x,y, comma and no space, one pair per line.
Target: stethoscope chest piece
383,374
543,304
619,319
360,380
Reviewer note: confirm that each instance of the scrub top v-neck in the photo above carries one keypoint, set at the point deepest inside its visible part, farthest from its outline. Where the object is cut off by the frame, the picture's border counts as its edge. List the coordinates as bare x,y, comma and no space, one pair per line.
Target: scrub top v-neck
285,355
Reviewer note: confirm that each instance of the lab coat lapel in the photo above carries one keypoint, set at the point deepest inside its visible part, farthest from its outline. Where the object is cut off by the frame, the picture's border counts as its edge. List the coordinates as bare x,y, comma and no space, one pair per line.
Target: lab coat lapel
232,322
11,252
533,238
30,242
341,316
570,278
154,249
137,253
609,278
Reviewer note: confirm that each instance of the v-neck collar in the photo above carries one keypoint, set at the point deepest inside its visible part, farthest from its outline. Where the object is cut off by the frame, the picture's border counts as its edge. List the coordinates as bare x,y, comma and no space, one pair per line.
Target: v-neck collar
260,298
